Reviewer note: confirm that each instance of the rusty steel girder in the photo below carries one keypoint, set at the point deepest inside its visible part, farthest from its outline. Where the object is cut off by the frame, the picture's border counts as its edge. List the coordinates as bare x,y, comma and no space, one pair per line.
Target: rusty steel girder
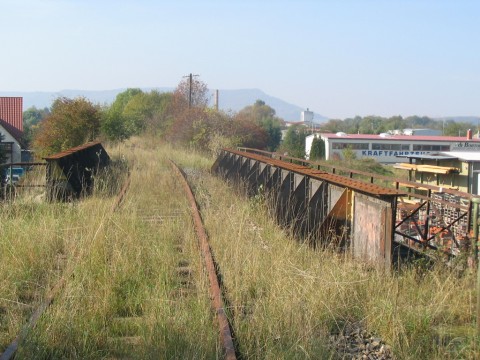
354,184
324,209
442,222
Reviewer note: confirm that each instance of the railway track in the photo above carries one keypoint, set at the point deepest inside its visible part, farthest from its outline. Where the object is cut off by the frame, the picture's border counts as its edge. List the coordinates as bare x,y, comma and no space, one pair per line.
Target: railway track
12,348
125,342
211,267
282,297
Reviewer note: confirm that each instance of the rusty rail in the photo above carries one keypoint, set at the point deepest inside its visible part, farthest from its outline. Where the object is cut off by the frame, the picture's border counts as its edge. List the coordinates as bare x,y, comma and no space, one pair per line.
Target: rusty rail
11,349
215,291
122,193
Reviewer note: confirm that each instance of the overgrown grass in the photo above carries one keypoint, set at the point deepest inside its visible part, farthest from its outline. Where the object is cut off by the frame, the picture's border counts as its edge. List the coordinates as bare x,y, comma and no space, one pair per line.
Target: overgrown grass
123,294
125,297
286,299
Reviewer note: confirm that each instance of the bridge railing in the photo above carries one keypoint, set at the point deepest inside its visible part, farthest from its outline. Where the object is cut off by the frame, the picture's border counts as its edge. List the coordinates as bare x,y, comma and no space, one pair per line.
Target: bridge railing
430,218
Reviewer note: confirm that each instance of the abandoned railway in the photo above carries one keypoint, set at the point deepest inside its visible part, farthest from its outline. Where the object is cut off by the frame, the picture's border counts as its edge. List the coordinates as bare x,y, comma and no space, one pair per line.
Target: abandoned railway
133,285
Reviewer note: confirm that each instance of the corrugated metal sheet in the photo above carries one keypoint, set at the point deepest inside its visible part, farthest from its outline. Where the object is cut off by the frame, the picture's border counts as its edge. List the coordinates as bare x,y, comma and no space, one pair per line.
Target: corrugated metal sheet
72,150
11,111
464,155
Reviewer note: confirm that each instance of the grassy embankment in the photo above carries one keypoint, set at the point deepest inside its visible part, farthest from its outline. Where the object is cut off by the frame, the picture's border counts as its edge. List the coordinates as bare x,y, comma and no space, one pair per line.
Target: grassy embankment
124,293
285,299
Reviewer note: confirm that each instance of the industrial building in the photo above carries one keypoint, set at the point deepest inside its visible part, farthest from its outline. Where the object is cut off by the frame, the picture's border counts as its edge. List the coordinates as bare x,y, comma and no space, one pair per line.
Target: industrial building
390,148
11,127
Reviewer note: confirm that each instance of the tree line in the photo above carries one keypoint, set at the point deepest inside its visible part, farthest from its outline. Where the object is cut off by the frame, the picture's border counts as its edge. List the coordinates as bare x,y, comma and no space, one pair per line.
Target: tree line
184,117
378,125
181,117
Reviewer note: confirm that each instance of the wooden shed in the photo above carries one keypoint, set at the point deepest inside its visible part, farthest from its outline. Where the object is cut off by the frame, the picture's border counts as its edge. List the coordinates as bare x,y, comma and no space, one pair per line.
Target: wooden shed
70,173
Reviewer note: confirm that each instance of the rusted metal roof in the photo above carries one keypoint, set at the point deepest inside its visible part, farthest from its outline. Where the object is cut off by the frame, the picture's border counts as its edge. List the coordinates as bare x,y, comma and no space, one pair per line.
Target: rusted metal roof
354,184
72,150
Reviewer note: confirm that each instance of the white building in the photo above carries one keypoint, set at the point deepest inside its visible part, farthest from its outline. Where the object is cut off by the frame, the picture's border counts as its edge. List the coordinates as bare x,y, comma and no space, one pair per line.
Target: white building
11,127
11,142
386,148
307,116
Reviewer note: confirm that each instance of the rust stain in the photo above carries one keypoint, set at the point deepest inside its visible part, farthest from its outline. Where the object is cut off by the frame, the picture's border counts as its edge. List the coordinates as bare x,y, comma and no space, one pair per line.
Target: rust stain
72,150
354,184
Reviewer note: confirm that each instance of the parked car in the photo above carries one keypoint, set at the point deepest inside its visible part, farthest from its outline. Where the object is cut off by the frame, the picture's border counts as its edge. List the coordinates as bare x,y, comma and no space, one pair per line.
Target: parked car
15,179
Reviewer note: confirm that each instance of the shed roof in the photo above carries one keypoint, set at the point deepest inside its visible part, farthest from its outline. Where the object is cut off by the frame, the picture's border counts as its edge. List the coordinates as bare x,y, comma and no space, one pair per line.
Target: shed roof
431,156
469,156
464,155
72,150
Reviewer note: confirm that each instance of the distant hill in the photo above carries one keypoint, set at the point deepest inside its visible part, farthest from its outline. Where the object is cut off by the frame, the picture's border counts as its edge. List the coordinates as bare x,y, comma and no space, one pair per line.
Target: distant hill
229,100
237,99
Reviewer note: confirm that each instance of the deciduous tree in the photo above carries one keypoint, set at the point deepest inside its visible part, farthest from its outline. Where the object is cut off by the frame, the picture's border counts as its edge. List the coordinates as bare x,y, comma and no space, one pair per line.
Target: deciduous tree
453,128
294,142
70,123
256,112
192,92
31,119
148,110
114,124
273,130
264,116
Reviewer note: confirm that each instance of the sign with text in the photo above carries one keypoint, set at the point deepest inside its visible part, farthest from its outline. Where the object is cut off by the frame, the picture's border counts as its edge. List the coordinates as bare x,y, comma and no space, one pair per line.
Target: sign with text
375,153
466,146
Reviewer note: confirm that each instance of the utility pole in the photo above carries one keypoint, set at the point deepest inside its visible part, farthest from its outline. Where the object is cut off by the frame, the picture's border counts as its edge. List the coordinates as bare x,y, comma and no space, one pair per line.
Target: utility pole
190,80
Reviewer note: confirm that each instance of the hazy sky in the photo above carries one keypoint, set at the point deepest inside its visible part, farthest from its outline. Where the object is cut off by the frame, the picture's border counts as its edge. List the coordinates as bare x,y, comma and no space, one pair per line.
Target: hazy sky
339,58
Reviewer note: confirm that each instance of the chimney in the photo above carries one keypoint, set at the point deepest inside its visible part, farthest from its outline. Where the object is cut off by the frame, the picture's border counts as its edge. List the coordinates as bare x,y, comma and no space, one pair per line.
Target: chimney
469,134
216,100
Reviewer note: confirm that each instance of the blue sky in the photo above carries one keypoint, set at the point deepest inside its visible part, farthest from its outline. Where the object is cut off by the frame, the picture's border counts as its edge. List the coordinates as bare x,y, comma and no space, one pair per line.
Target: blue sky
339,58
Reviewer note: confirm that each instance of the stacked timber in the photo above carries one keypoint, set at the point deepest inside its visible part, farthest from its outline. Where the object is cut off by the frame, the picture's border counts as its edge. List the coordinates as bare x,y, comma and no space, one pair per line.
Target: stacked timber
428,168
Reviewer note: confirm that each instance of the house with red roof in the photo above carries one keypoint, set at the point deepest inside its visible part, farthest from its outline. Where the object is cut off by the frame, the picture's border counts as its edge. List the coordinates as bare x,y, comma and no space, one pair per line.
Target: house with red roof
11,127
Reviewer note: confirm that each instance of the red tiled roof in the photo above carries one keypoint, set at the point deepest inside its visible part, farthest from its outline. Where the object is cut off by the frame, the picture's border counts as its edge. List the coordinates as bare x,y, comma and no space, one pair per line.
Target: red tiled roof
11,111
